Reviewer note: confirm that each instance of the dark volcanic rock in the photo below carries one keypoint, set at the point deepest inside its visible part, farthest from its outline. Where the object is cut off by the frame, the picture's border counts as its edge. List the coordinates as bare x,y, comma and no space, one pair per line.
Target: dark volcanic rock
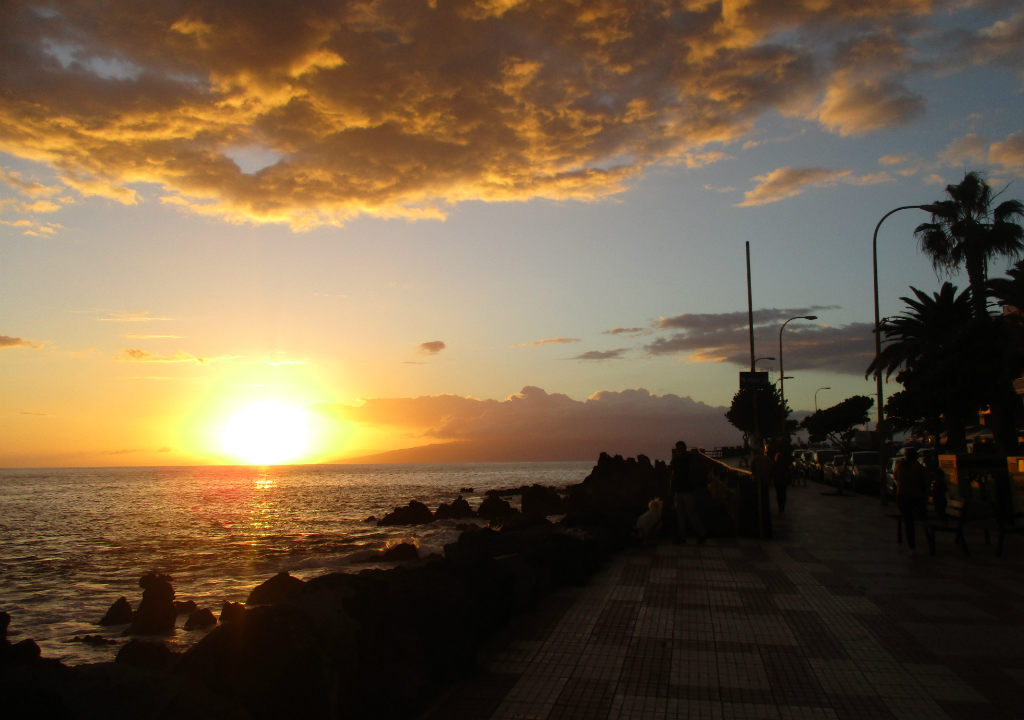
156,614
401,552
94,640
232,612
541,501
120,613
279,663
459,508
415,513
202,618
278,588
185,607
494,507
143,654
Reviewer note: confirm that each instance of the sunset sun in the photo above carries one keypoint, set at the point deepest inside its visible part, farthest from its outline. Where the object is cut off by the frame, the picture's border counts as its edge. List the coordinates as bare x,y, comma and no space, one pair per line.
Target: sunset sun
267,433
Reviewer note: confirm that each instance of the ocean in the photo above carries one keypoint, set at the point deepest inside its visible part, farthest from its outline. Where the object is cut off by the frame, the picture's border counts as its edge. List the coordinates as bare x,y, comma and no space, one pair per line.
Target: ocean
72,541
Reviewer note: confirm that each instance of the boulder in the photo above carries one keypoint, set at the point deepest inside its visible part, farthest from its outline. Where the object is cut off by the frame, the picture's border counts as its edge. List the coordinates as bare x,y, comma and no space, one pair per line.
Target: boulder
185,607
120,613
202,618
278,588
494,507
156,614
540,500
459,508
94,640
401,552
415,513
232,612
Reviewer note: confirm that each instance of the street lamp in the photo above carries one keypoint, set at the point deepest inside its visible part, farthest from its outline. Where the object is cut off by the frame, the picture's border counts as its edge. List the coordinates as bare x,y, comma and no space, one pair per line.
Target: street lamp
782,375
764,357
816,397
878,338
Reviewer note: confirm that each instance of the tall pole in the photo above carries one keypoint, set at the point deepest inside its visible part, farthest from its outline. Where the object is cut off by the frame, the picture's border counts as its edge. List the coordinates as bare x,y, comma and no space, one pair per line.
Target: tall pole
750,314
782,373
880,425
756,448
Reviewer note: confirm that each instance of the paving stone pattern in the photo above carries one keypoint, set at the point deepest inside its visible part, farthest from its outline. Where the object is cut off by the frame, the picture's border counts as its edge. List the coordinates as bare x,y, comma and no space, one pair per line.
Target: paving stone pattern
830,620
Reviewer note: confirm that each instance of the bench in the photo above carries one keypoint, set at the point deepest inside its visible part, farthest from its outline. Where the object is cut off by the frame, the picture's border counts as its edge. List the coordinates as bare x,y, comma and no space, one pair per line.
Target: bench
959,515
1008,528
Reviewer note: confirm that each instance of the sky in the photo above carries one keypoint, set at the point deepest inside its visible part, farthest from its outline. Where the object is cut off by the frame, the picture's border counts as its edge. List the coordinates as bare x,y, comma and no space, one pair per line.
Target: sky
337,229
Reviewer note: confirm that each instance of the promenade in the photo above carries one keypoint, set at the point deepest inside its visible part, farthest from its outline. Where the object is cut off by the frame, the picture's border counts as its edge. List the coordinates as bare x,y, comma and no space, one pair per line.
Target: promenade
832,619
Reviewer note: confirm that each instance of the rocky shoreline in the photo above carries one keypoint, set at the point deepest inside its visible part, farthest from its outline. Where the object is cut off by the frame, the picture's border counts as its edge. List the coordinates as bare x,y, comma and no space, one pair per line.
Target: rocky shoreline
378,643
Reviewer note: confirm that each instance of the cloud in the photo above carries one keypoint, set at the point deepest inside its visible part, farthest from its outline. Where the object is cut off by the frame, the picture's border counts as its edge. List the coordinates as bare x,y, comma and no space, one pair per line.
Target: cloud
140,316
1009,153
970,149
995,44
431,348
540,425
627,331
866,92
602,354
143,356
6,341
787,182
725,337
550,341
323,112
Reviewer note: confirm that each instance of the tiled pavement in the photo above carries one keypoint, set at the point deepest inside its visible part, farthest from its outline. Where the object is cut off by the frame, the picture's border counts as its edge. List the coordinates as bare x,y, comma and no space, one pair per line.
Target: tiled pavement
832,619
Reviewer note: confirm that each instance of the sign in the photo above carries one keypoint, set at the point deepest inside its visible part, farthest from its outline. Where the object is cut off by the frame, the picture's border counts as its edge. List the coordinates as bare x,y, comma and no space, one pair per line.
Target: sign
754,381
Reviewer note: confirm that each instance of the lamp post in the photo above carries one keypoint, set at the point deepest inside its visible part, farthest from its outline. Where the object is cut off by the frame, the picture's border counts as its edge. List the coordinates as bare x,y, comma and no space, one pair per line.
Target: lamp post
816,397
782,374
763,357
879,426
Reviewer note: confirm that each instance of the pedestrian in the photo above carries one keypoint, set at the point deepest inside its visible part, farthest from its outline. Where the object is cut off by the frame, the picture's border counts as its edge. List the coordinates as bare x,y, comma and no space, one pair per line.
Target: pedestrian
935,479
761,470
684,486
780,475
911,493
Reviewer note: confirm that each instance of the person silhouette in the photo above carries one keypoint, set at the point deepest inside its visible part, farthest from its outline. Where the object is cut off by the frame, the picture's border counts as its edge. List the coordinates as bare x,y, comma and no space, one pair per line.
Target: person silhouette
684,486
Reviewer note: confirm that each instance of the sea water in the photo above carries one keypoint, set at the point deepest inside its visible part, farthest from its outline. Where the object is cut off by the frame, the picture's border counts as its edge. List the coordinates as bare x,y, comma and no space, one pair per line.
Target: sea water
72,541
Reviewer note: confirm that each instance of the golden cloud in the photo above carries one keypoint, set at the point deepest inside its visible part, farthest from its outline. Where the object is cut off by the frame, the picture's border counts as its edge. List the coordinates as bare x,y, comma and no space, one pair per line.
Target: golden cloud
401,108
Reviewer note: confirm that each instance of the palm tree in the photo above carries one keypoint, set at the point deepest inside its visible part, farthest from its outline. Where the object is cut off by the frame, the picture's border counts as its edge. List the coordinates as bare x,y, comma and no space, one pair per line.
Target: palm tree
937,352
966,231
1009,291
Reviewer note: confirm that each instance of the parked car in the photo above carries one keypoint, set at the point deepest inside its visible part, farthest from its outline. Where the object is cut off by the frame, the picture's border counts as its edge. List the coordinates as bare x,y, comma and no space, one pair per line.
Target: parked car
865,470
817,462
890,476
837,471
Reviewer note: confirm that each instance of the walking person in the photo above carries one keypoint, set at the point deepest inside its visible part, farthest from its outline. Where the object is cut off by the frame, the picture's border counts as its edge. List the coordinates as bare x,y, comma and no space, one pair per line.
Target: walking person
780,475
683,494
761,471
911,493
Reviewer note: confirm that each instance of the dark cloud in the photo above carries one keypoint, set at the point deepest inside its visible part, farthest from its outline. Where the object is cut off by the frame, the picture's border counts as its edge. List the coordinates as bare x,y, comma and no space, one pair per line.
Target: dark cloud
601,354
431,348
391,108
808,344
7,341
534,423
627,331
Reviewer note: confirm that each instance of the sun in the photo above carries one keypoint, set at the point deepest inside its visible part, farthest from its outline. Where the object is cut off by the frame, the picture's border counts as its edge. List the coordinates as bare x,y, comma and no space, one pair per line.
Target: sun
270,432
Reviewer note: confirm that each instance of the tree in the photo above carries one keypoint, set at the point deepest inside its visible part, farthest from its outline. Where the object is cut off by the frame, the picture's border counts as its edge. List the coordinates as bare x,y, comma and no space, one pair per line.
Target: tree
770,416
914,412
941,356
967,231
839,422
